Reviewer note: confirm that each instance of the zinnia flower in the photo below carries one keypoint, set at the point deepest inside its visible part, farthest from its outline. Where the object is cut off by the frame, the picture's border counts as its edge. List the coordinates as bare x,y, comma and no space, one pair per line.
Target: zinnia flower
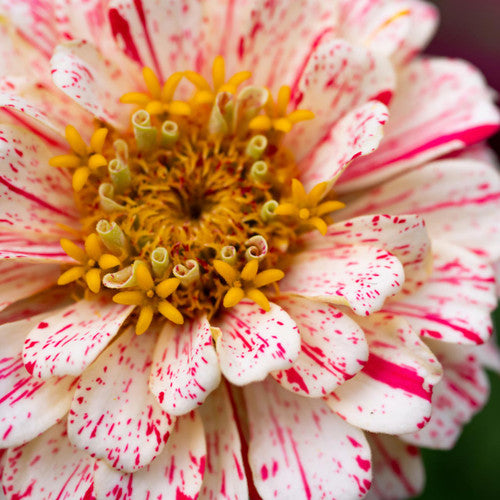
259,267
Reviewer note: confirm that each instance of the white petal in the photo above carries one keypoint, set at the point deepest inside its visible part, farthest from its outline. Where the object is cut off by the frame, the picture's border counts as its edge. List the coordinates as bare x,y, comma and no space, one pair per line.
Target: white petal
185,366
333,348
253,342
113,414
299,449
68,340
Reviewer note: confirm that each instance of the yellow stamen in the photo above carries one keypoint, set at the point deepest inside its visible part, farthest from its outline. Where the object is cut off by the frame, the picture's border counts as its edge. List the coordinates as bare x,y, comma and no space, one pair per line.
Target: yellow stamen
316,193
227,271
260,122
179,108
300,115
152,82
319,224
218,72
71,275
268,276
170,312
298,192
233,296
75,141
283,99
197,80
144,320
98,138
96,161
282,125
129,298
93,280
107,261
144,278
73,250
135,98
65,161
93,246
328,207
259,298
250,270
170,86
167,287
304,213
80,177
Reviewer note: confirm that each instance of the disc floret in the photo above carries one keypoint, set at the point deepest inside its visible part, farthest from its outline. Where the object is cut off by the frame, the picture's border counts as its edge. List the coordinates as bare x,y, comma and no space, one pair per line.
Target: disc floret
198,208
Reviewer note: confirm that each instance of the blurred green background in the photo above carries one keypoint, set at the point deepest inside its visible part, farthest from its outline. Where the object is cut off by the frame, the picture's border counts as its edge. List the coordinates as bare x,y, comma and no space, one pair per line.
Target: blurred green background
469,29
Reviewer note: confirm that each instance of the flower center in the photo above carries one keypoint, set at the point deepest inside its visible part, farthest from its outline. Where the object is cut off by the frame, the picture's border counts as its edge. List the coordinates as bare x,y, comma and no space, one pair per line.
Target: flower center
196,205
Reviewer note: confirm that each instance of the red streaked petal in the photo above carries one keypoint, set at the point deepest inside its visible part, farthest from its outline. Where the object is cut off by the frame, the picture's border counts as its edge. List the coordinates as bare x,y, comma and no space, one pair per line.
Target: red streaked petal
185,366
333,348
300,448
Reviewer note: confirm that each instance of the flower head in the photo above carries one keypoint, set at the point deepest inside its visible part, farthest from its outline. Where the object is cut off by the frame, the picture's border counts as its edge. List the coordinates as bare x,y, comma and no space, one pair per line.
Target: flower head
219,278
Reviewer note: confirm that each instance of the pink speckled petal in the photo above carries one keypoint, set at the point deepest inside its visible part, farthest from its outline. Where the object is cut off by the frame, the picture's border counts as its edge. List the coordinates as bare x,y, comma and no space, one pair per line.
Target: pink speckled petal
286,32
362,277
28,406
381,25
333,348
464,213
94,82
392,394
33,195
41,110
424,18
185,366
398,470
19,280
113,415
488,354
224,473
68,340
252,342
35,20
461,394
356,134
404,236
299,449
30,247
456,303
161,34
441,105
176,473
338,78
41,303
48,467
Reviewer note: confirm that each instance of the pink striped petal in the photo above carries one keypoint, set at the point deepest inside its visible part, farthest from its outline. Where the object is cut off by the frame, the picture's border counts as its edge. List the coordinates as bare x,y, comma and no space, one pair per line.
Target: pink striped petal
41,110
464,213
356,134
67,341
441,105
404,236
338,78
461,394
19,280
287,33
224,473
19,58
113,415
185,366
33,195
30,248
392,394
94,82
161,34
362,277
28,406
252,342
48,467
333,348
398,470
176,473
424,18
488,354
299,449
455,304
35,20
381,25
41,303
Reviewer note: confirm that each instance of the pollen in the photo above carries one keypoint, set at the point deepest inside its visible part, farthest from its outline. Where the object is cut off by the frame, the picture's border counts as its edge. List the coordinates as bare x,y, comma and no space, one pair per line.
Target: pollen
197,206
